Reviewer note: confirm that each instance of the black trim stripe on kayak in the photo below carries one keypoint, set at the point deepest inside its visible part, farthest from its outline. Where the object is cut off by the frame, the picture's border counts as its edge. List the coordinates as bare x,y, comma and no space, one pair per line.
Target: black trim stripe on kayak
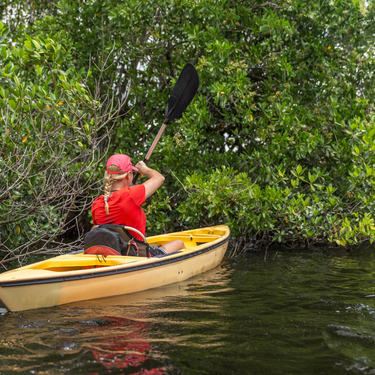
109,273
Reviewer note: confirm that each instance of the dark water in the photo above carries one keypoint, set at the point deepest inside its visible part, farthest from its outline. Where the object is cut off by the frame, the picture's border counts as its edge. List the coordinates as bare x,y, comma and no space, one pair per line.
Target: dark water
292,314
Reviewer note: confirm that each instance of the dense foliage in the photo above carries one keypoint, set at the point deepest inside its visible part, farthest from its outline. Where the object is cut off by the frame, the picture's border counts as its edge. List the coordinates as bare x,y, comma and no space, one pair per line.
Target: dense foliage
49,143
279,140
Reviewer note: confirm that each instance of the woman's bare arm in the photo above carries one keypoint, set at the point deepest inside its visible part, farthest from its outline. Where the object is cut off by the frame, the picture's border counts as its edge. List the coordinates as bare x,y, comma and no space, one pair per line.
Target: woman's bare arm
155,179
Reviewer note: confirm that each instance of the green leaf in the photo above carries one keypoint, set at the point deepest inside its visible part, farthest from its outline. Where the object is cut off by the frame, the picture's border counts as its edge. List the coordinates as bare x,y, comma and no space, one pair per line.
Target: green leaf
12,104
17,81
28,45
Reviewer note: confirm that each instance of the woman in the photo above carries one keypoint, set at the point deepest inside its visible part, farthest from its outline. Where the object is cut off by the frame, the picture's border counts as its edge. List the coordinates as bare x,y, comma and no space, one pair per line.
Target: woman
121,203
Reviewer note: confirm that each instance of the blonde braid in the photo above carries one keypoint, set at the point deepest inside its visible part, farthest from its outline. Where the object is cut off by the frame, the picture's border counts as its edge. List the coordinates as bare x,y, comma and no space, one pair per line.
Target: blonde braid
108,180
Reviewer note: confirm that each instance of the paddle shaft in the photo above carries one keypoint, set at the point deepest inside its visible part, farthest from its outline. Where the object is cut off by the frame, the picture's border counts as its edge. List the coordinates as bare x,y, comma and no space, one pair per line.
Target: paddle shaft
150,151
156,140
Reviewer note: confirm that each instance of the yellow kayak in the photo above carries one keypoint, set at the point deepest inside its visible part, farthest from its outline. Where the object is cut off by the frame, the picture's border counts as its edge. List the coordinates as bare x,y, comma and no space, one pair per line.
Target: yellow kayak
78,277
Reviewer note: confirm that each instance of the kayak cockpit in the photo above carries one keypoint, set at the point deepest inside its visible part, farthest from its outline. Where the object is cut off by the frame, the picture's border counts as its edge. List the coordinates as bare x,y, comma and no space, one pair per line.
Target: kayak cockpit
191,239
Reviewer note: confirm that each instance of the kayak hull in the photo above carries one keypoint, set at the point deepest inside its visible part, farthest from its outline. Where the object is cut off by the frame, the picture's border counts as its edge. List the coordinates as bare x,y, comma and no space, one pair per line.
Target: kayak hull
72,278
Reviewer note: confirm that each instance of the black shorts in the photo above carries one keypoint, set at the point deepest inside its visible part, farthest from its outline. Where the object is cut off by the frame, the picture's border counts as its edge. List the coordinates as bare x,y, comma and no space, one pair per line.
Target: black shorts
156,250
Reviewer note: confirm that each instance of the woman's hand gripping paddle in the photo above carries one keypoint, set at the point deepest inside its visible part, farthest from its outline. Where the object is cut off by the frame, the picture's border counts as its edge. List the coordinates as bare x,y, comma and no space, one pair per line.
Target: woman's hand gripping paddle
182,94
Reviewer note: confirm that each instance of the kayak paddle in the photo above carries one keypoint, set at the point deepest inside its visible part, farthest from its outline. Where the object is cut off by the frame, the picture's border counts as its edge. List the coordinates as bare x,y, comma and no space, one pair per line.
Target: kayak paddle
182,94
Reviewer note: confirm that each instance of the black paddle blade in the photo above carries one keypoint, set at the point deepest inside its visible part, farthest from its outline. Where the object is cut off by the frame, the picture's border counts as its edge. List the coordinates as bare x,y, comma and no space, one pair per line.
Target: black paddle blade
182,93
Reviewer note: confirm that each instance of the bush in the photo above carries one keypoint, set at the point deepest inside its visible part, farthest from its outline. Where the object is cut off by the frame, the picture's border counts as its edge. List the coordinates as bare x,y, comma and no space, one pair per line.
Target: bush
49,143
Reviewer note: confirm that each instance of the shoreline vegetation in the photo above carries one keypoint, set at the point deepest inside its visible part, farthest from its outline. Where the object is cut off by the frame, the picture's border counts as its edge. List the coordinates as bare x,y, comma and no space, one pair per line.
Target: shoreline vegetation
278,142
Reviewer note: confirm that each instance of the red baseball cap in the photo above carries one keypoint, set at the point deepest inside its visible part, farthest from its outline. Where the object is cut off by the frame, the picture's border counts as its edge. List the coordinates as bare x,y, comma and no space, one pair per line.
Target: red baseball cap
121,161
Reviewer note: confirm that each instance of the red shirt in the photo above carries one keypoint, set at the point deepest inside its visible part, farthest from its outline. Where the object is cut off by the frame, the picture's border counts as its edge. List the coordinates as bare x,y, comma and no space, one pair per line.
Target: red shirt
124,208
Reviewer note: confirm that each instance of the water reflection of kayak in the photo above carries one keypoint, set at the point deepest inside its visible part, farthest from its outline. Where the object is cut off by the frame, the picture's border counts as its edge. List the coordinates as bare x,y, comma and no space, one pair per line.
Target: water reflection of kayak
78,277
128,349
